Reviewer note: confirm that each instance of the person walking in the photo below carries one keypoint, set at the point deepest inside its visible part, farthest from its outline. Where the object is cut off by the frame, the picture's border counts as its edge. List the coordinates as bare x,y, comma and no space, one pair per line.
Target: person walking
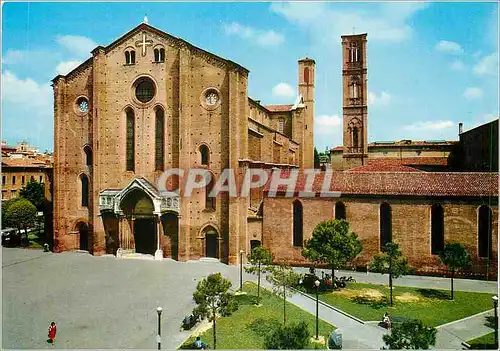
52,332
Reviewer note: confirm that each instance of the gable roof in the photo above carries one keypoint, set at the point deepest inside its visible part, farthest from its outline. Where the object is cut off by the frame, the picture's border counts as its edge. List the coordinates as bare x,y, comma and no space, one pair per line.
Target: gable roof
144,26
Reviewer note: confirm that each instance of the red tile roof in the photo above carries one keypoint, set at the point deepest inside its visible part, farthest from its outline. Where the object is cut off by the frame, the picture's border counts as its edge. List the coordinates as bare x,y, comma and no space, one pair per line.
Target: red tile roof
424,160
383,167
450,184
25,162
279,108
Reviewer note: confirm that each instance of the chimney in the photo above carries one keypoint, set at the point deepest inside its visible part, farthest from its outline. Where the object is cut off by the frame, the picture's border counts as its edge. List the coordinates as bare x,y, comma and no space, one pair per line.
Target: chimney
460,128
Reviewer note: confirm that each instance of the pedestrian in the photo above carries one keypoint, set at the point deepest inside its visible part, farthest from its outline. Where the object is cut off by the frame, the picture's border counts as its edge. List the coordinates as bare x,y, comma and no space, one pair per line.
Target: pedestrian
52,332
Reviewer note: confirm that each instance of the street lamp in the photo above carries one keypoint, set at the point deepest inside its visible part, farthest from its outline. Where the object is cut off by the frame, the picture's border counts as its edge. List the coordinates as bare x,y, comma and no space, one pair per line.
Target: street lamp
241,270
495,305
317,304
158,337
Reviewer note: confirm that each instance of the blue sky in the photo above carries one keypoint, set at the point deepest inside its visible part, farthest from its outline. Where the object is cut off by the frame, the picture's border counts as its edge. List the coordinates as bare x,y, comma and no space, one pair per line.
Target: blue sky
430,65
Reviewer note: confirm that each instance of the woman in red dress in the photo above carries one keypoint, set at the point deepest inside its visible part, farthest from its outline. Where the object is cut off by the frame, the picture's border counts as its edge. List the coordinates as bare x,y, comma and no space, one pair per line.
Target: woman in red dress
52,332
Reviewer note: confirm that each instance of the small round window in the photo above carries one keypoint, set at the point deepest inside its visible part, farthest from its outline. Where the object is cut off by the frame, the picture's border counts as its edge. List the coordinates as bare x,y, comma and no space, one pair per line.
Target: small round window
82,105
145,90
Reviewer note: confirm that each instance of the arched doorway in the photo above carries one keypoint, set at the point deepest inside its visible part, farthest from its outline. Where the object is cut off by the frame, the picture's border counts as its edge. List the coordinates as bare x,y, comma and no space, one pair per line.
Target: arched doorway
138,209
211,243
83,231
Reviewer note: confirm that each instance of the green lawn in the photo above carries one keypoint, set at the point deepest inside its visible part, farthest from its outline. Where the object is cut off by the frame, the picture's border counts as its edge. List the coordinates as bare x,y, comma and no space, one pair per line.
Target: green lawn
485,342
246,328
36,241
369,302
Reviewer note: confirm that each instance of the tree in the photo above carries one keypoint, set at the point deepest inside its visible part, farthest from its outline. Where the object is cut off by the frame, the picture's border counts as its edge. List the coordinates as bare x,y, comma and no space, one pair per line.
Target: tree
5,205
260,258
332,244
21,214
34,192
288,337
316,158
282,277
213,298
411,334
456,257
391,262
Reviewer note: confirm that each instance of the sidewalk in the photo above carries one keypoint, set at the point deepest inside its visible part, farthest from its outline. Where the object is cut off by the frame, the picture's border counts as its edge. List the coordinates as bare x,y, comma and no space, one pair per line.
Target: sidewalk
451,335
355,335
416,281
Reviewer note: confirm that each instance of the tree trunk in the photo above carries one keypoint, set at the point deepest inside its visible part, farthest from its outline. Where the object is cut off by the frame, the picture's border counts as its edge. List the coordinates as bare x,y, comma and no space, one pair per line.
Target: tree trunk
258,285
333,277
390,279
215,339
284,304
452,275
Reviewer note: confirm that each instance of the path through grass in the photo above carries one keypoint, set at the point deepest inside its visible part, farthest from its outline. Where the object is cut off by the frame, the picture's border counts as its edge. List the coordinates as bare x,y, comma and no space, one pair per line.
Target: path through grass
246,328
433,307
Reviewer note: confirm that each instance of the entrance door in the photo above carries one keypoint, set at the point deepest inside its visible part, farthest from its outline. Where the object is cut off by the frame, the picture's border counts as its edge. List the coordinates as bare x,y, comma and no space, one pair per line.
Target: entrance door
83,230
145,235
211,245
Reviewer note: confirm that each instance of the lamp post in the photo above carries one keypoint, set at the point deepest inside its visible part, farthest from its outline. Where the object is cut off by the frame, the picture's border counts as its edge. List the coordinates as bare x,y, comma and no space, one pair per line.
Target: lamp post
495,306
158,337
317,304
241,270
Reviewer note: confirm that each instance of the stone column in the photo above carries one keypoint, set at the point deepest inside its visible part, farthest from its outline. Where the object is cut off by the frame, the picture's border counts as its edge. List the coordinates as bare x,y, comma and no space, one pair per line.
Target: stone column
120,235
159,251
129,243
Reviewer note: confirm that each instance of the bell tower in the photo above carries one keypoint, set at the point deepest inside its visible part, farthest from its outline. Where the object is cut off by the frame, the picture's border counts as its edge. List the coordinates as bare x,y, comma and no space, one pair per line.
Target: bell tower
307,74
355,101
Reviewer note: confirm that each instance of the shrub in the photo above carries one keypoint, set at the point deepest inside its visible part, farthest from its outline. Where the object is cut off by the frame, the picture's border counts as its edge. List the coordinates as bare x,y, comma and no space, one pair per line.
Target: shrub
292,336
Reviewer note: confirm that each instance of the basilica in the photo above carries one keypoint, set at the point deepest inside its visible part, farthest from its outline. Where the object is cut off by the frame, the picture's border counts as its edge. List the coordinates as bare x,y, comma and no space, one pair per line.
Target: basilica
149,102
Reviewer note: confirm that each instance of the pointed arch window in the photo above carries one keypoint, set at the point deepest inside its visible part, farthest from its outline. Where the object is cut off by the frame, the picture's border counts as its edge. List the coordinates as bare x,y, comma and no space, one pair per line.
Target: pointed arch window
205,159
385,224
88,156
355,140
339,210
159,139
437,229
484,245
130,142
298,225
85,190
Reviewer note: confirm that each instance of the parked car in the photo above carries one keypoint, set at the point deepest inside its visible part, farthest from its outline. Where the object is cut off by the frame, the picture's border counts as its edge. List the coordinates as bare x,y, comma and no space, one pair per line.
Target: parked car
11,237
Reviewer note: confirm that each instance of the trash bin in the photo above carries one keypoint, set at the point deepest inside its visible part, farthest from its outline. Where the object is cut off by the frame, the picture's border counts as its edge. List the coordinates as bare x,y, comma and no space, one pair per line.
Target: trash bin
335,340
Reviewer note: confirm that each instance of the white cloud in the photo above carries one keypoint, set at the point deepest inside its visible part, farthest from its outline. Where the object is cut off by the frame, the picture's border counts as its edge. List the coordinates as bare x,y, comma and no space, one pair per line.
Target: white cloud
25,92
473,93
387,22
67,66
324,124
383,99
429,125
285,90
488,65
27,110
260,37
13,57
449,47
77,45
457,65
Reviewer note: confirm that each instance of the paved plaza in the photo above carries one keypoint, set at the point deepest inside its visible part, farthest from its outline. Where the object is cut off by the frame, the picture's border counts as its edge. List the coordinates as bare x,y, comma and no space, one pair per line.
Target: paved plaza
105,302
97,302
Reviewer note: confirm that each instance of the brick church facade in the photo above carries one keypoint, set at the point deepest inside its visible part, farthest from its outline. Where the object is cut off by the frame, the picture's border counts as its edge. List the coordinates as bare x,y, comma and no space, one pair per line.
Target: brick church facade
149,102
